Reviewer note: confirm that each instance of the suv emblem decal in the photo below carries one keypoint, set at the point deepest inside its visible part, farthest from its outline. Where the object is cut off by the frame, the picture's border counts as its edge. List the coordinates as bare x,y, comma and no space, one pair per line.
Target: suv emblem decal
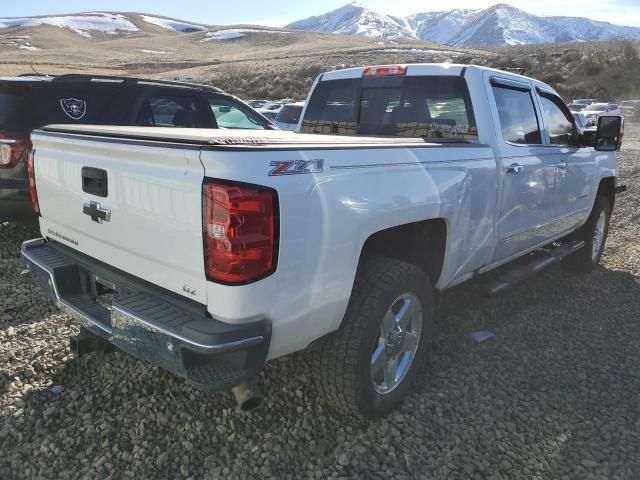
296,167
73,107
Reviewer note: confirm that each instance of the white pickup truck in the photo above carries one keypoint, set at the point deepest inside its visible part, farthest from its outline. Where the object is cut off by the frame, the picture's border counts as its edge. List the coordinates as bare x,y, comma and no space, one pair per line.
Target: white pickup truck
209,252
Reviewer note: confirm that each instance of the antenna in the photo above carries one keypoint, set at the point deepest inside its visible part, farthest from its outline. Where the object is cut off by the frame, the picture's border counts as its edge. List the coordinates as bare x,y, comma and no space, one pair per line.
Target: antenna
35,71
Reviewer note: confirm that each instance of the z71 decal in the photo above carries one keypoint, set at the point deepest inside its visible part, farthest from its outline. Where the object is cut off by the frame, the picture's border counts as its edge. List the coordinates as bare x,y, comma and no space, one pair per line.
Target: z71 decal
296,167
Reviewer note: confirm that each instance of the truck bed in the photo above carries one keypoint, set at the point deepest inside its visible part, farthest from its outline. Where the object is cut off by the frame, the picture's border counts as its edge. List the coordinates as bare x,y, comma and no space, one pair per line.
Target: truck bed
240,138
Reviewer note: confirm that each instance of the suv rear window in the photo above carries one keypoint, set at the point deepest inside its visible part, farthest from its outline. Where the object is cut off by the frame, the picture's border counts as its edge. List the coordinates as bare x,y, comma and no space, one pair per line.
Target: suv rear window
436,107
13,109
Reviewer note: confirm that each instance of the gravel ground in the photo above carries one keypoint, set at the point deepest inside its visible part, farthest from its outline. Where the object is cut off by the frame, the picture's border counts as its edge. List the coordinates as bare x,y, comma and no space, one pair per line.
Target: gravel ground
556,393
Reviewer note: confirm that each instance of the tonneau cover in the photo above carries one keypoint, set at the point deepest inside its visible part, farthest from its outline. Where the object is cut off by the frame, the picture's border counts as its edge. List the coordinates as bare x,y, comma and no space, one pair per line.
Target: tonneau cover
222,137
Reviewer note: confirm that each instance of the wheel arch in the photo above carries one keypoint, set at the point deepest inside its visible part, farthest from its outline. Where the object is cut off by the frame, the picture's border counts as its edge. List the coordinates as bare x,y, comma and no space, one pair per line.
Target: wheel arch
421,243
607,189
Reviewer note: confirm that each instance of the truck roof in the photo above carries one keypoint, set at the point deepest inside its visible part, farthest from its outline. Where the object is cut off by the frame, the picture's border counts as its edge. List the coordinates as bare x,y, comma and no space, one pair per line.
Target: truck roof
433,69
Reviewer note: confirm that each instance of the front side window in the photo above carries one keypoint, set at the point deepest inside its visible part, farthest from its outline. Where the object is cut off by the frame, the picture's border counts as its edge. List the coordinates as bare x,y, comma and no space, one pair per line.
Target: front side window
518,119
169,111
229,115
559,125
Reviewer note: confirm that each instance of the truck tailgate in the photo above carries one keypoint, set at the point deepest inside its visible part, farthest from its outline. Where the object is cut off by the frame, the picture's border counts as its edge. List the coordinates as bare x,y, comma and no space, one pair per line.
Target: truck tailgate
154,198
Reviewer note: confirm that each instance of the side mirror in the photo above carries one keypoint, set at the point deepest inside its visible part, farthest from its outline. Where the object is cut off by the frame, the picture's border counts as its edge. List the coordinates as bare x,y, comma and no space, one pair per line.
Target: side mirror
609,134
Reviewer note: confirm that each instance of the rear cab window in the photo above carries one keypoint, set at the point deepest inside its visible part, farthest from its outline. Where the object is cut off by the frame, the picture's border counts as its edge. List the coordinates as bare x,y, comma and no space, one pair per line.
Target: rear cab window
436,108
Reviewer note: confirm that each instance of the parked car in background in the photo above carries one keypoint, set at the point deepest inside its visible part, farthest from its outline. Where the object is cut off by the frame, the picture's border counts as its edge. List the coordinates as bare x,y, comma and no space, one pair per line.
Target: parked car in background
274,106
268,114
630,109
289,116
256,103
583,127
284,101
270,110
580,104
596,110
29,102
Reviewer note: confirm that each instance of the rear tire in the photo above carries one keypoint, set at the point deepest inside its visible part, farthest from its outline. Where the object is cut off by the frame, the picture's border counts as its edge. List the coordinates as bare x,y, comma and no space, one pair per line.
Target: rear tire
367,367
594,233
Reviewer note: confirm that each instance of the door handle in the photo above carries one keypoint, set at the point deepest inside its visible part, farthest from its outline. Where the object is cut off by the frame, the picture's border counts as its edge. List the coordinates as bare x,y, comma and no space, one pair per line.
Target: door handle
514,168
562,165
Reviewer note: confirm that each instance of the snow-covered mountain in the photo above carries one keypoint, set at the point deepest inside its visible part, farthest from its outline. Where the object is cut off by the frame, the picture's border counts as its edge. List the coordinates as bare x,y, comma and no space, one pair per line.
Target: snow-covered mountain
357,20
495,26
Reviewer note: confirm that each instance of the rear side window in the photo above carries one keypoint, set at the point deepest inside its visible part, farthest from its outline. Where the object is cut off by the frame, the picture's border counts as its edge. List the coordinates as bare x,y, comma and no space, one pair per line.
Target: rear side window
169,111
289,114
436,107
75,103
558,123
518,119
230,115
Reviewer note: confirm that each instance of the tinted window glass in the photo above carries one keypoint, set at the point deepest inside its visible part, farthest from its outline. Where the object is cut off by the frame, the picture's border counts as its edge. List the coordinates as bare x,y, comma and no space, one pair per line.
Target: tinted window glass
75,103
427,107
518,118
12,109
228,115
169,111
559,126
289,114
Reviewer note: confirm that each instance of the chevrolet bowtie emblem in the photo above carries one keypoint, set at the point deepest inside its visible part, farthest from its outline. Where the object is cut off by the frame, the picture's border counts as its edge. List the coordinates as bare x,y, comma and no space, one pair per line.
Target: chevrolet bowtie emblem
96,212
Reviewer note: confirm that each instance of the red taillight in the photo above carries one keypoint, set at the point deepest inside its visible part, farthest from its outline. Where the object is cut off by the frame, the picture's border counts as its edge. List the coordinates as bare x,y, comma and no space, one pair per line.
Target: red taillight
384,71
31,173
12,149
240,232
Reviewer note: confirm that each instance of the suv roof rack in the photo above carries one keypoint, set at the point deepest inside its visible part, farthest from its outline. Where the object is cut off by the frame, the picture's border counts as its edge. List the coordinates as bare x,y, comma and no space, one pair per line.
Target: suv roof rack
36,75
71,77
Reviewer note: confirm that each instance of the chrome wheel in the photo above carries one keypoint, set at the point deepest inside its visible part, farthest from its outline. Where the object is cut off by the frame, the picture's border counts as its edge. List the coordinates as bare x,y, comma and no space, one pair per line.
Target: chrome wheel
398,343
598,235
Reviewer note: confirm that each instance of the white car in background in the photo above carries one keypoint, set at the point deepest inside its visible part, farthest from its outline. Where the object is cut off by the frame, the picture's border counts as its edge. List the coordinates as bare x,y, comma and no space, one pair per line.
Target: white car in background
595,110
579,104
289,116
269,114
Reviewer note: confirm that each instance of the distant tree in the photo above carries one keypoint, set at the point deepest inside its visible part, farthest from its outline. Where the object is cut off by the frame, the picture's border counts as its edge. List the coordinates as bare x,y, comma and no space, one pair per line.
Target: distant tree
630,52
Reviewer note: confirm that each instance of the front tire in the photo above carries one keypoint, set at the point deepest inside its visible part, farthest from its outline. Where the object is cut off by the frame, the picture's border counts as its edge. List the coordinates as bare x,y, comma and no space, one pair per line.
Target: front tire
594,234
367,367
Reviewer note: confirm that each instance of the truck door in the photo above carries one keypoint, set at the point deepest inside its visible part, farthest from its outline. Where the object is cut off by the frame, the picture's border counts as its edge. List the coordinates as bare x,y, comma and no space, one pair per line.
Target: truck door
575,165
527,171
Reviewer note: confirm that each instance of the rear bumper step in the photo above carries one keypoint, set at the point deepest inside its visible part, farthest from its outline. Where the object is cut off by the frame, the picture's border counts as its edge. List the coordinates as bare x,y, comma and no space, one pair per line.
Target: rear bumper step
148,322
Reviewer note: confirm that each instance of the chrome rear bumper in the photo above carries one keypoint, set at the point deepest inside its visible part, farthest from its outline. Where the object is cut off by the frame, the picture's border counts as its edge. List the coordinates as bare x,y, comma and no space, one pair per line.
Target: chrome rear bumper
148,322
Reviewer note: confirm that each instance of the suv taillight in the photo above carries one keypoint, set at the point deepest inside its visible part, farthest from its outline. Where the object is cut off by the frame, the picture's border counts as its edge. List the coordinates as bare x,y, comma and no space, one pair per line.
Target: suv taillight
31,174
12,148
240,231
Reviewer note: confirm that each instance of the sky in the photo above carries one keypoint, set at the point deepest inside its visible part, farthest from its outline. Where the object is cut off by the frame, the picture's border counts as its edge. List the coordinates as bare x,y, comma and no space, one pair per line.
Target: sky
280,12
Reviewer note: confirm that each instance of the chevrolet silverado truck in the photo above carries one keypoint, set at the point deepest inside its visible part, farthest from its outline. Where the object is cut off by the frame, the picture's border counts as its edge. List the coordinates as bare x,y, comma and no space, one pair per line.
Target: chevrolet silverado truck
210,252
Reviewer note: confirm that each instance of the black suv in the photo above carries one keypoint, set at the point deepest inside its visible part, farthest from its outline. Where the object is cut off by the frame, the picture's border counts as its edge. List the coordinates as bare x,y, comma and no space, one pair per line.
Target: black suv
30,102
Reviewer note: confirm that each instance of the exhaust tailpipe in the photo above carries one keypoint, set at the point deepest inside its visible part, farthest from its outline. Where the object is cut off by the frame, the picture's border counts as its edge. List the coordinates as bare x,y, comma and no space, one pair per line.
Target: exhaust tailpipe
248,395
87,342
